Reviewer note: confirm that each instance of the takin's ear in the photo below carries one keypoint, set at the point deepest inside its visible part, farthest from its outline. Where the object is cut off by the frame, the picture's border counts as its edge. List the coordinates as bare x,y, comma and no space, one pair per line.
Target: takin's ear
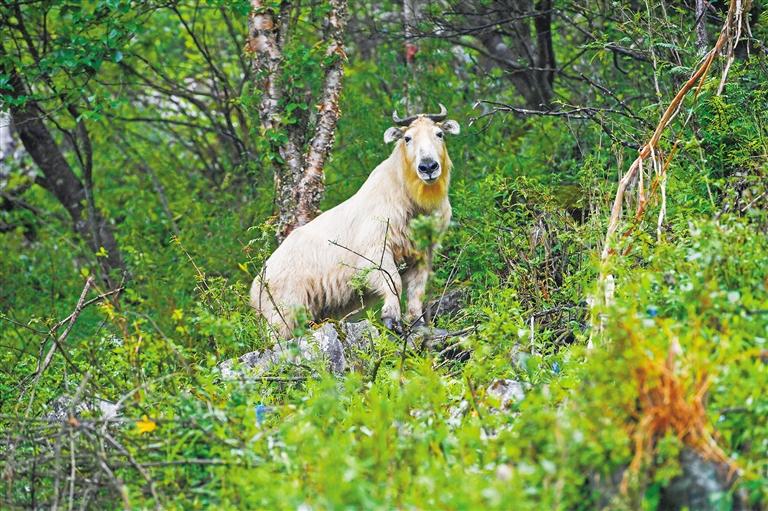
392,134
451,127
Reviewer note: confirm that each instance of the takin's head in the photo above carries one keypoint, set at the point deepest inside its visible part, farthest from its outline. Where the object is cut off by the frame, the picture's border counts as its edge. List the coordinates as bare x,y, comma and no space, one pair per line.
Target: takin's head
425,158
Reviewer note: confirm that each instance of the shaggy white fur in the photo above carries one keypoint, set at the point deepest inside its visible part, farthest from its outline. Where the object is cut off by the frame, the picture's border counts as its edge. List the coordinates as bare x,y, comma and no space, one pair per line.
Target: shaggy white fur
313,269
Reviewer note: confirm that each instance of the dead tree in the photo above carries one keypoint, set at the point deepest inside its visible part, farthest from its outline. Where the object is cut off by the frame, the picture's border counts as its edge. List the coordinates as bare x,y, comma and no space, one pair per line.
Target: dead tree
299,177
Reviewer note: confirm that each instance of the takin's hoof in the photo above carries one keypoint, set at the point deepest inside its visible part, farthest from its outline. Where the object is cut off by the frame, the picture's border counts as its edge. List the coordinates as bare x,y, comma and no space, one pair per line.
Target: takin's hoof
393,324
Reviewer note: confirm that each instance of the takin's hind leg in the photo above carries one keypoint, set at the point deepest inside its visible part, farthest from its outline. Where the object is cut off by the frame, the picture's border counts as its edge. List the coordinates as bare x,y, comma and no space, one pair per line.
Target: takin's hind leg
281,324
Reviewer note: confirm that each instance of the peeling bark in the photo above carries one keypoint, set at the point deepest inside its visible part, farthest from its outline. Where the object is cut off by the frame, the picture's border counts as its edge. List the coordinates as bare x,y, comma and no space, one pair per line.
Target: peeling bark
311,186
299,178
701,27
410,16
7,142
267,32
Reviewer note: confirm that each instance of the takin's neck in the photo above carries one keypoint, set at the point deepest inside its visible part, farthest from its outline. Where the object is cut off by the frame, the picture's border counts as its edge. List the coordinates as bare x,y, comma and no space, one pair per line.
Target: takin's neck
426,198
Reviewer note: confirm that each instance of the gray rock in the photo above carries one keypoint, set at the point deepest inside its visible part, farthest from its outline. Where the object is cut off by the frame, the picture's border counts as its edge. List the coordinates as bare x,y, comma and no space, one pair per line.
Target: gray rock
359,333
605,488
506,392
59,408
330,348
427,337
456,414
448,304
340,347
703,486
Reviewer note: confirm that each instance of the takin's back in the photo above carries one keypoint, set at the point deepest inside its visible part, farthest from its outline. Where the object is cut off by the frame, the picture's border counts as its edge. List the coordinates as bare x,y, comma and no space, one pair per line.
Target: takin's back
314,266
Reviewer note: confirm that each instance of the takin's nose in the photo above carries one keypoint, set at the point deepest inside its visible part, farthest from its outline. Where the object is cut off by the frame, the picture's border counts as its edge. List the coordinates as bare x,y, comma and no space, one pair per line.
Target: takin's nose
428,167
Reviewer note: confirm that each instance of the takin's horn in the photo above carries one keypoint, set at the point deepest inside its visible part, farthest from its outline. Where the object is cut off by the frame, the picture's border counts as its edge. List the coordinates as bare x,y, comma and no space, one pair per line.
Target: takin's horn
438,117
402,122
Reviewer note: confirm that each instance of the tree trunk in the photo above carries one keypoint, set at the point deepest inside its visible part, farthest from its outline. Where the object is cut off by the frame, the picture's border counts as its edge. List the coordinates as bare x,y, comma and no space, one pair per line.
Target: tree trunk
299,179
410,17
701,28
267,32
60,180
528,57
311,186
515,36
7,142
545,58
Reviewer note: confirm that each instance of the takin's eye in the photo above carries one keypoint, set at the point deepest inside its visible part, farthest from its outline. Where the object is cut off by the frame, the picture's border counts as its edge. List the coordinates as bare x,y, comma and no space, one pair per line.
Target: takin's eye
407,139
439,134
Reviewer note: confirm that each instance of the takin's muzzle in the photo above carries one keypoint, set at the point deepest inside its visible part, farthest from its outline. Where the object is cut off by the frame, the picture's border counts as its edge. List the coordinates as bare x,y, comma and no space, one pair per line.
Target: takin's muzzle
429,170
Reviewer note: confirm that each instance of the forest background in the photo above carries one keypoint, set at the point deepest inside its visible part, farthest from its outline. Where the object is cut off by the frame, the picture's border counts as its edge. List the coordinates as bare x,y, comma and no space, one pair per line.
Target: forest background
152,154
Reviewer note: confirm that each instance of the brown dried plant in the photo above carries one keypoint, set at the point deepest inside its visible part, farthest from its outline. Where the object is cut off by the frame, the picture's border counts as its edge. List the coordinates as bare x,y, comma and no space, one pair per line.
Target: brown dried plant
671,399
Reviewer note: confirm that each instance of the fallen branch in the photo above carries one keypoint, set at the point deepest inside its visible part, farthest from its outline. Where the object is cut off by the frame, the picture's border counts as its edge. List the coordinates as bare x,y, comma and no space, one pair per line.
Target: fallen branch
44,362
86,304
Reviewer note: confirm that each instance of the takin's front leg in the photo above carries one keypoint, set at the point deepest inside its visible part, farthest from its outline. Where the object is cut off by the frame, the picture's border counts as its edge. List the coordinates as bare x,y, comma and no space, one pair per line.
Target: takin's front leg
386,283
415,279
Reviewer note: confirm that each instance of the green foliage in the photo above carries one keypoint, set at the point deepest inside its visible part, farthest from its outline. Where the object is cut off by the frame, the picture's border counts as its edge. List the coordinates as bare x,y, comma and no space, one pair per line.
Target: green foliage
413,430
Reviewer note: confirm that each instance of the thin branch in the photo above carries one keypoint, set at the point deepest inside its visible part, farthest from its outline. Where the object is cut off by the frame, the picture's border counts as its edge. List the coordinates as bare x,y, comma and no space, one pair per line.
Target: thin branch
43,365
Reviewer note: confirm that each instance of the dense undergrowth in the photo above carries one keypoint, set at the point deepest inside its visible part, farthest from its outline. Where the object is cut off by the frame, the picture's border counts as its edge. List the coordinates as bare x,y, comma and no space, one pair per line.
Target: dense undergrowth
678,360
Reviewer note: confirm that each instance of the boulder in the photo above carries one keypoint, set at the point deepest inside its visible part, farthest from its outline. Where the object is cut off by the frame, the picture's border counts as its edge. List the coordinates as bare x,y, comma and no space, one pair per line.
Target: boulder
703,485
59,408
447,304
338,345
